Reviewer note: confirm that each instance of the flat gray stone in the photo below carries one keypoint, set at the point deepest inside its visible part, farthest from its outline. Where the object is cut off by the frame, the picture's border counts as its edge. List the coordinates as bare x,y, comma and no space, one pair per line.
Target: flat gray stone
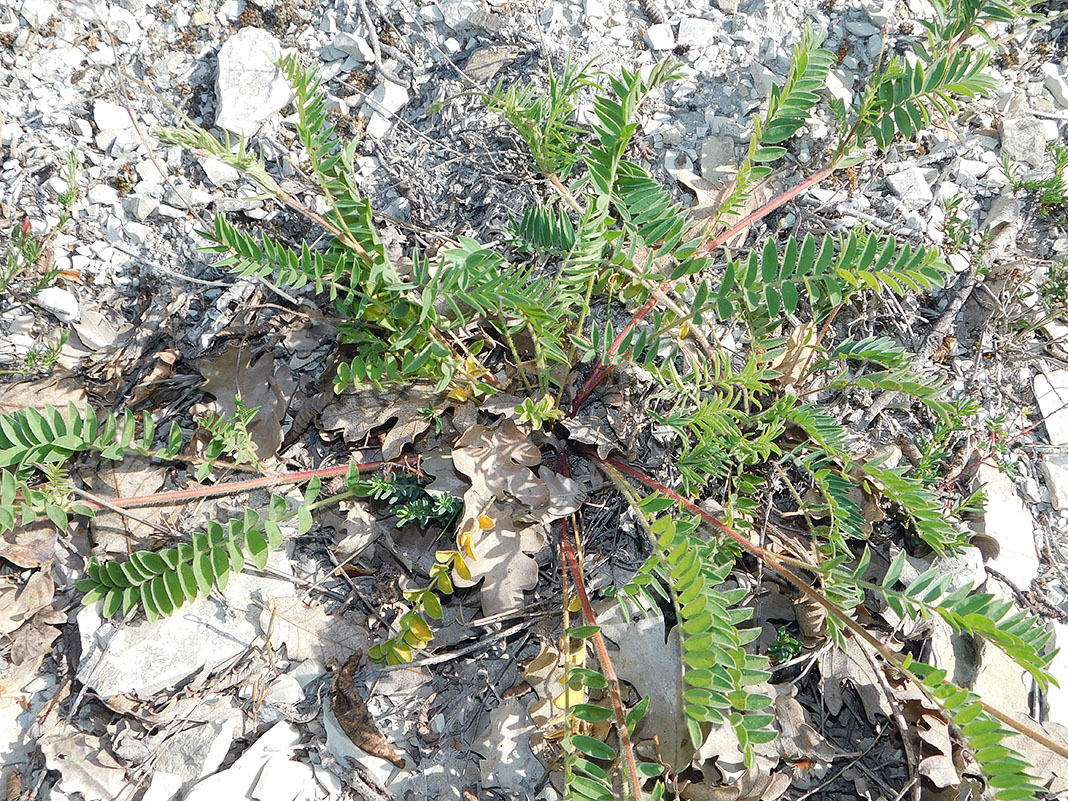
697,33
1006,533
1055,472
660,37
195,753
1053,77
911,186
240,779
110,116
249,88
356,46
1024,138
142,658
1051,392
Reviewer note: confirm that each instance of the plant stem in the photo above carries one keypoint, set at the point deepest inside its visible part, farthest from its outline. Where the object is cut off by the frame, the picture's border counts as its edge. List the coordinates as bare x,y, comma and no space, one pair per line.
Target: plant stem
606,664
179,496
772,561
602,369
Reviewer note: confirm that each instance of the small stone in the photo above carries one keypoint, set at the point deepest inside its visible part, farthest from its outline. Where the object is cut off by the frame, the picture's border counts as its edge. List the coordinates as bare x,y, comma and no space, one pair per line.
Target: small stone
110,116
124,25
103,195
1051,392
727,6
137,232
972,169
59,302
355,46
718,164
452,46
861,29
385,101
140,207
911,186
1006,533
840,85
430,14
218,172
594,9
185,197
201,18
486,62
763,78
697,33
250,87
196,752
1053,77
457,13
1024,139
163,787
660,37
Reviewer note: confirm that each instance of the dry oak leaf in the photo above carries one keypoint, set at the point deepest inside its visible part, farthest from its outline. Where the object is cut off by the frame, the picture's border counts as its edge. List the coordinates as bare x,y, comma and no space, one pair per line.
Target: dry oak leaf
501,558
359,412
18,606
498,462
84,765
309,633
137,475
351,712
54,390
800,350
234,373
32,545
838,666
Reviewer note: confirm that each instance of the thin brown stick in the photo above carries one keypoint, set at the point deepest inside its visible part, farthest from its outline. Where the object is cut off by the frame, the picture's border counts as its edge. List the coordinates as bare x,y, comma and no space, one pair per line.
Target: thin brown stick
106,504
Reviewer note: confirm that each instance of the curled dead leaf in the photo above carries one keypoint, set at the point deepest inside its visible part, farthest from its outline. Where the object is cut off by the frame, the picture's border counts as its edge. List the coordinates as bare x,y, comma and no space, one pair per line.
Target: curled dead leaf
356,720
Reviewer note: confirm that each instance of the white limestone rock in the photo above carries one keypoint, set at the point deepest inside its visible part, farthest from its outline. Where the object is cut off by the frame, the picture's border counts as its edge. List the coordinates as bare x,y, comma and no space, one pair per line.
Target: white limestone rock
249,88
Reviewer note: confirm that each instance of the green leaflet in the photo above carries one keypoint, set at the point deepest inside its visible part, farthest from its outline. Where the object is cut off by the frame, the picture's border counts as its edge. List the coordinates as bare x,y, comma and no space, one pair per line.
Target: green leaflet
160,583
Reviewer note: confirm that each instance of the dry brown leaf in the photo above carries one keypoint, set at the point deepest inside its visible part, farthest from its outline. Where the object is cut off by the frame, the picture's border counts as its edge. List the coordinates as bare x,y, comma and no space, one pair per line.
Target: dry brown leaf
851,665
498,462
36,637
359,412
136,475
356,530
17,606
162,369
587,430
234,373
84,765
309,633
446,480
1051,767
650,659
30,546
793,362
566,497
54,390
501,562
936,758
351,712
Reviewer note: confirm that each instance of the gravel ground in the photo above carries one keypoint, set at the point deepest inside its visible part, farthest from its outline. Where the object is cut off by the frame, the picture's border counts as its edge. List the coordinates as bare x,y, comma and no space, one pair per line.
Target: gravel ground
92,80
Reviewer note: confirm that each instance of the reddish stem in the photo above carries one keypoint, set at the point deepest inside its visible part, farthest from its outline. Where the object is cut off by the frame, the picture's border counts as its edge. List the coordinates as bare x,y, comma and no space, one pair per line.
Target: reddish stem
606,664
770,559
601,370
236,486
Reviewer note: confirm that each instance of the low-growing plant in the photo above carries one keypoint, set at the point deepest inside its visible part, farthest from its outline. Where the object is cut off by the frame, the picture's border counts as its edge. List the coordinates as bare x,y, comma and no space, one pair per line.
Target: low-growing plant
607,272
1049,191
